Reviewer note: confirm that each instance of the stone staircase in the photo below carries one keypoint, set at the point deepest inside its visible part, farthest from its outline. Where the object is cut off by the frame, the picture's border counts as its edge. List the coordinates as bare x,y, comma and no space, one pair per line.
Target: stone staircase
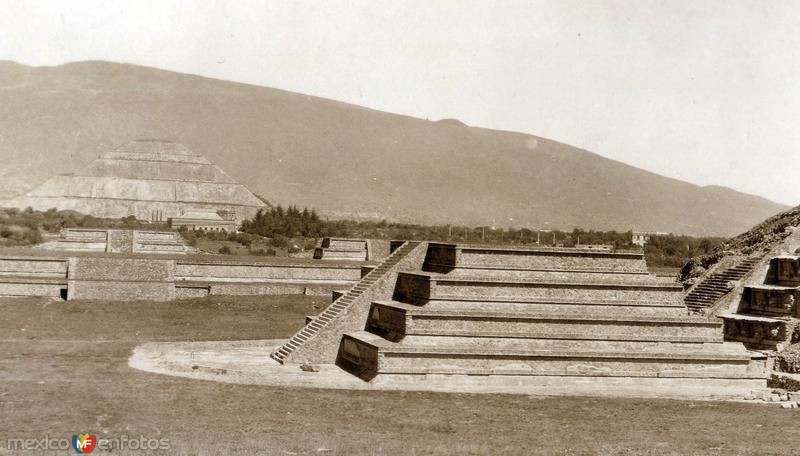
492,311
715,286
341,303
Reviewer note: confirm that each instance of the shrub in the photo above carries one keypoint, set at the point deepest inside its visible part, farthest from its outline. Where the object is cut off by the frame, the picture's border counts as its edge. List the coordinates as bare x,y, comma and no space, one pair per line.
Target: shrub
33,236
279,241
225,250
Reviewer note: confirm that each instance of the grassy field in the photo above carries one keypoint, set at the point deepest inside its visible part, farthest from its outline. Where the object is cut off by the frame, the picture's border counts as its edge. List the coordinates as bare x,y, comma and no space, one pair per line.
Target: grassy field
63,370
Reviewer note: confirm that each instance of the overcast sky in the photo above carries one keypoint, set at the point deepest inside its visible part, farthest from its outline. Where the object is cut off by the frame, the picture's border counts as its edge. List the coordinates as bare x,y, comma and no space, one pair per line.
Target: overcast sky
704,91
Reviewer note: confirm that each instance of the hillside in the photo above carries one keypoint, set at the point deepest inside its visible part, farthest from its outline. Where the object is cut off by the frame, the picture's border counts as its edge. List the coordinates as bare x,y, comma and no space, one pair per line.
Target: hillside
345,160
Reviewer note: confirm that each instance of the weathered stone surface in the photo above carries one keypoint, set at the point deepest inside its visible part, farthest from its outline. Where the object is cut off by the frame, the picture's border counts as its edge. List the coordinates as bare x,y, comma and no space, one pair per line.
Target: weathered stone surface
121,279
124,278
252,272
343,249
32,267
323,346
478,310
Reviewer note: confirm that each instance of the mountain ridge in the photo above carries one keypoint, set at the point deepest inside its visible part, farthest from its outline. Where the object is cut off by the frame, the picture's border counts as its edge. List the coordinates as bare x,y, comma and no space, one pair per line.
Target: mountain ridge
346,160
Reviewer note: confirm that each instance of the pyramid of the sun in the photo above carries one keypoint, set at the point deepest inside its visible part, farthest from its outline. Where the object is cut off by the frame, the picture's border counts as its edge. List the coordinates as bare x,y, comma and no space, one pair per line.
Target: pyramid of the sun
149,179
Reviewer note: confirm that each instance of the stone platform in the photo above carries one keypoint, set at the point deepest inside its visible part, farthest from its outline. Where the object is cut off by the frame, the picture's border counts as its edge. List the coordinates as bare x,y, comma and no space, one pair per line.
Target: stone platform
122,277
248,362
343,249
497,311
118,241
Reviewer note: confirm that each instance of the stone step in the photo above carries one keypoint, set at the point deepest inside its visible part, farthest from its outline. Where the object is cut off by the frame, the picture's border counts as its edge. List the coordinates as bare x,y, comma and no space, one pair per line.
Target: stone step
713,287
421,287
404,319
651,308
501,274
371,353
580,342
441,256
757,331
753,318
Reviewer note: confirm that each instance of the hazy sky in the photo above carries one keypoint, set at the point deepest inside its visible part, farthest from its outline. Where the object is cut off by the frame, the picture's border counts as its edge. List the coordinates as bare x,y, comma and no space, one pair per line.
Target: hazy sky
705,91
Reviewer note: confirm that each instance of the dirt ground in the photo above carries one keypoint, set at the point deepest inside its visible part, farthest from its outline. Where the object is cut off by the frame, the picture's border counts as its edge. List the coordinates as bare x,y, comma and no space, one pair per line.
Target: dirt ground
63,370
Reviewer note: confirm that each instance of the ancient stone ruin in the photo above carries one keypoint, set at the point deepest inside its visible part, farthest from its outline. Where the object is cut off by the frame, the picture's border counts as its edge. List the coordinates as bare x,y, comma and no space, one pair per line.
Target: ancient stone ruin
149,179
343,249
117,241
763,317
505,312
125,277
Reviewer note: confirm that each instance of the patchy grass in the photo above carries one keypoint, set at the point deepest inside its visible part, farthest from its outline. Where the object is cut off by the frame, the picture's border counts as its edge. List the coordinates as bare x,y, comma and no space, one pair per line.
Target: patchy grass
63,370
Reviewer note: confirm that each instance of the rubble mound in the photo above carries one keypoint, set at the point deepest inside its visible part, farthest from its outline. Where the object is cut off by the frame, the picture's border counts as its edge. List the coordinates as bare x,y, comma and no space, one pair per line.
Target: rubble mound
760,239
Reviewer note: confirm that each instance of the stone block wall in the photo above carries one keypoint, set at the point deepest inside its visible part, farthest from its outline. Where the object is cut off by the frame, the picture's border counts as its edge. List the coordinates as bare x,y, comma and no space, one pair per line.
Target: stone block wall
163,236
121,279
786,270
74,234
120,241
445,257
33,267
117,278
771,301
186,270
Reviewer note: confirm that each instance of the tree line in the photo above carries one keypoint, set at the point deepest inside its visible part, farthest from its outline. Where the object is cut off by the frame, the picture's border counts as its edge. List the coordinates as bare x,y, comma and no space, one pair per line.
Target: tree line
665,250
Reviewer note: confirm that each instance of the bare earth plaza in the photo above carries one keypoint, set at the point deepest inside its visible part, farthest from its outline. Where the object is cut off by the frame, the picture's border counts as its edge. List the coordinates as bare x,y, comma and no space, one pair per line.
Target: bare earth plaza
195,266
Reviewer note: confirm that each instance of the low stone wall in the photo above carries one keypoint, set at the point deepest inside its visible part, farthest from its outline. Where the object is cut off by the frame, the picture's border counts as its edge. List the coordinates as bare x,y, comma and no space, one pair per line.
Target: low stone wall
152,247
249,289
342,243
74,234
253,272
15,288
322,253
117,241
33,267
77,246
164,236
121,279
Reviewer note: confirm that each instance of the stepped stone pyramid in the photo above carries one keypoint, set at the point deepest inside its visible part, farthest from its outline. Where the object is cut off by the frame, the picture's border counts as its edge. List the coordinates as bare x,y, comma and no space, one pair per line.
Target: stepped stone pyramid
150,179
512,313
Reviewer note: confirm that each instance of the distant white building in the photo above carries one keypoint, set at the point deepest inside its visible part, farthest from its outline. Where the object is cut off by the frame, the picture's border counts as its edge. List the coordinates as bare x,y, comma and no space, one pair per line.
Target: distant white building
641,238
203,219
